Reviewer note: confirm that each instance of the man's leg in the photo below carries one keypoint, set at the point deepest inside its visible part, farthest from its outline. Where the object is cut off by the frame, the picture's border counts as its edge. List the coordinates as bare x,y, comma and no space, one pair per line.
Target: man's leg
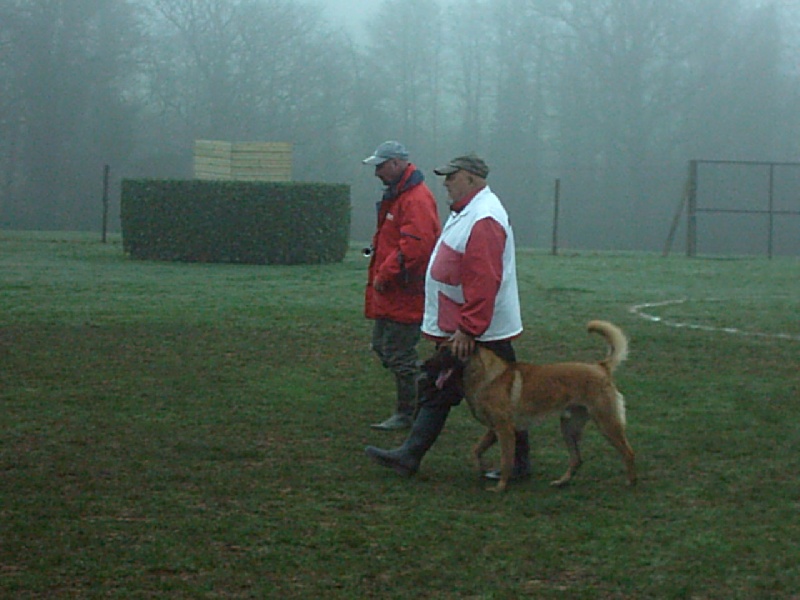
398,343
434,407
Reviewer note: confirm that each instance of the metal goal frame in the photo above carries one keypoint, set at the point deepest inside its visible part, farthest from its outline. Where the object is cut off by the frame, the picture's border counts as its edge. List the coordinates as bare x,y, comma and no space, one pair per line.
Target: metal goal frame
692,208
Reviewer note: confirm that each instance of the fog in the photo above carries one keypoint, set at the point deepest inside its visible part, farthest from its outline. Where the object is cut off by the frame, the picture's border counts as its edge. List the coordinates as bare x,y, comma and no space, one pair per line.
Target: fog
607,99
352,15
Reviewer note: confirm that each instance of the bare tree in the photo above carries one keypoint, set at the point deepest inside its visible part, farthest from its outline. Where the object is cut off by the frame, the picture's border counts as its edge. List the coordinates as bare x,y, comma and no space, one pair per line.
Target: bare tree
628,73
248,70
68,113
473,72
746,108
404,57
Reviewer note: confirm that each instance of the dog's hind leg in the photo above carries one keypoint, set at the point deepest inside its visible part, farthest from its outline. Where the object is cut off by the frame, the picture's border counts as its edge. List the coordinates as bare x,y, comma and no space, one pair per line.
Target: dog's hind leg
612,425
487,441
573,420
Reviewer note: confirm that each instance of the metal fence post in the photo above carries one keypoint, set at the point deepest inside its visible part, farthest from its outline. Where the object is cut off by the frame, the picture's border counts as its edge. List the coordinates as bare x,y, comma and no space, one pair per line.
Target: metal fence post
556,208
691,203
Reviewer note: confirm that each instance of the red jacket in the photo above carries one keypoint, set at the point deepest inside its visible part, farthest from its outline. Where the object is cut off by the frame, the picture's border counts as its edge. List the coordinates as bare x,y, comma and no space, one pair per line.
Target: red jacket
408,226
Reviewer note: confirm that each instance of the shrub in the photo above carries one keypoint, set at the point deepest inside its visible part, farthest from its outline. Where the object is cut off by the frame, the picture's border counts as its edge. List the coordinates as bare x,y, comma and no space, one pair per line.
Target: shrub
235,221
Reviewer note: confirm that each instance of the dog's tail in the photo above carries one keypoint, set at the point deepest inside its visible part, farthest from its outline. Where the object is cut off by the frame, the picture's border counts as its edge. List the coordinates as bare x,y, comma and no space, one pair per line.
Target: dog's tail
617,343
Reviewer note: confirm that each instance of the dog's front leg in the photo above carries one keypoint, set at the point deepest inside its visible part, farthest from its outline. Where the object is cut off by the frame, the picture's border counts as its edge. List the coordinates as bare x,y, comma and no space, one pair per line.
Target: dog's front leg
507,439
487,441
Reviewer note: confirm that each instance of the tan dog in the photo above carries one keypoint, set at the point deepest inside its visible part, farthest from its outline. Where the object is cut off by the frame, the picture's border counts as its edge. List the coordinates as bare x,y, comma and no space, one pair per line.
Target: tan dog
510,396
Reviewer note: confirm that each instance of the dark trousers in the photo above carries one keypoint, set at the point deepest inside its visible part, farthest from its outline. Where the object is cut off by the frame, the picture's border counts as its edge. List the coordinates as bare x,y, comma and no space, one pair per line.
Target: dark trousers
396,345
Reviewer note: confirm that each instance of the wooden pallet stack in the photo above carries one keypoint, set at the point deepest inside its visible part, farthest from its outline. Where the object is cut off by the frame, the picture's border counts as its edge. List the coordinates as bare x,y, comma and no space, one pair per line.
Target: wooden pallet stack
243,161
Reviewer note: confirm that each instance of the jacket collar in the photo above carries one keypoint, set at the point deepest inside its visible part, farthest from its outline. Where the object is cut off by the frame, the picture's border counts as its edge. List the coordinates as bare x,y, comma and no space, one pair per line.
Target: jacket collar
457,207
410,178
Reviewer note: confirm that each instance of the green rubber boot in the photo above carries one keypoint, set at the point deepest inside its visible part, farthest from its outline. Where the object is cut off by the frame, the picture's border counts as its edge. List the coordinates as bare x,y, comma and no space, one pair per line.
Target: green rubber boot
405,459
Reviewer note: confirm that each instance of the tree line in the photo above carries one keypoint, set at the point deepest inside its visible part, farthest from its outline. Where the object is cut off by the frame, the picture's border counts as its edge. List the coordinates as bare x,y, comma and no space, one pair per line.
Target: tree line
610,97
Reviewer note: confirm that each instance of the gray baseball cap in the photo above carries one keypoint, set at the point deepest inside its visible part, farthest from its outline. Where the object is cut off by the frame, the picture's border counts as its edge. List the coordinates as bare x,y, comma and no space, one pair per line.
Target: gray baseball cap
386,151
470,163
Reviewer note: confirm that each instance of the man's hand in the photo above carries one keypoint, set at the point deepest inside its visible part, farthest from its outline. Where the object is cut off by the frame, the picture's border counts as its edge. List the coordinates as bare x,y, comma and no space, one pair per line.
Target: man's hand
462,345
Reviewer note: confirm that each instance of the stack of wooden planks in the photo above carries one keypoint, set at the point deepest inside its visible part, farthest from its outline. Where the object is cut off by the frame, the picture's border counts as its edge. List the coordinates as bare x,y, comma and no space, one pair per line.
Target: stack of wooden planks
243,161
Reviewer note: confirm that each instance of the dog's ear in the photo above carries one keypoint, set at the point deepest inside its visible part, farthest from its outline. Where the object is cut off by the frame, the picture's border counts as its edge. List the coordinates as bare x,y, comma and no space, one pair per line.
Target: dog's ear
433,364
439,359
453,360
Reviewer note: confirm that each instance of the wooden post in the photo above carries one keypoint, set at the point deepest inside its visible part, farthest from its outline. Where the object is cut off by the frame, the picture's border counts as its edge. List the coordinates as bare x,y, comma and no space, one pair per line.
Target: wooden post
556,208
106,171
676,221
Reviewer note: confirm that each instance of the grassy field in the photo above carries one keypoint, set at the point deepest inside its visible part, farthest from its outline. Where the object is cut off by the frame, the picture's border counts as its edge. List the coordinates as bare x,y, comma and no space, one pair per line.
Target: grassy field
197,431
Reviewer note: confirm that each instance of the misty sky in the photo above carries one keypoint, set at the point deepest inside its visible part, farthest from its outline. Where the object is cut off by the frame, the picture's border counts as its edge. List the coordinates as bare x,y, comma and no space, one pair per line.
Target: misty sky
546,99
350,13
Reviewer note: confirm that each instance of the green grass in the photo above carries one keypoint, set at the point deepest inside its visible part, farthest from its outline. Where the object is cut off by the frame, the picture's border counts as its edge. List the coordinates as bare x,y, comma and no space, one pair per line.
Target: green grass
197,431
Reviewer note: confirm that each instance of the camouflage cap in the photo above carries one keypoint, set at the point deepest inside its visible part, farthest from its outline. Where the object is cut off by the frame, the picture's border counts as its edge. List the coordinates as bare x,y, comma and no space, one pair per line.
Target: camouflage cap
469,162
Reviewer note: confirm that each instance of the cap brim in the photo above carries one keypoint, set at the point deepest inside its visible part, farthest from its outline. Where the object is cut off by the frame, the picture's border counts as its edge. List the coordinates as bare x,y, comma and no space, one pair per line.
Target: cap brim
446,170
374,160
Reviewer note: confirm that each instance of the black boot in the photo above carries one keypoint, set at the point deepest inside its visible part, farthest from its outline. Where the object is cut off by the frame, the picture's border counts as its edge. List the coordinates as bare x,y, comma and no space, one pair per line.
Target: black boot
405,459
522,459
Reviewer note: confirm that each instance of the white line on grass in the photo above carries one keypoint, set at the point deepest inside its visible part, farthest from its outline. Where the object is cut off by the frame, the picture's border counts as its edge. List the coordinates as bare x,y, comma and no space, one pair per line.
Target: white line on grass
639,310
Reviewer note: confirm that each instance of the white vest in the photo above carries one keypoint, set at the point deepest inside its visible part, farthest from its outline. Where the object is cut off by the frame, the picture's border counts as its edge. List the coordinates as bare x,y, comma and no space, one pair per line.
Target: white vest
442,299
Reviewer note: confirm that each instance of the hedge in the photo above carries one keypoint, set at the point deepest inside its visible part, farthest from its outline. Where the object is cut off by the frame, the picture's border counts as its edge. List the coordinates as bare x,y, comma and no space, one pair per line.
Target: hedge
235,221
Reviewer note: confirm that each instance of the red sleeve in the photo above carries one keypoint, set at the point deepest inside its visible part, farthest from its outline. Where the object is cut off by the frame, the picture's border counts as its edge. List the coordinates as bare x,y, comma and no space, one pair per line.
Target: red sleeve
419,229
482,274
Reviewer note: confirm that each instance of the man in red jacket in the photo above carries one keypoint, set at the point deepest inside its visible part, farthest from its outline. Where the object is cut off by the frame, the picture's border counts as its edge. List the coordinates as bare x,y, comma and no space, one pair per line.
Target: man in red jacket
471,298
407,229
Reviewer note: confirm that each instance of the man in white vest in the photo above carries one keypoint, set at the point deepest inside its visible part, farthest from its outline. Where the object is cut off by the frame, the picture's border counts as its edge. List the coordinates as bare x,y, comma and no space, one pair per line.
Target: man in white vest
471,298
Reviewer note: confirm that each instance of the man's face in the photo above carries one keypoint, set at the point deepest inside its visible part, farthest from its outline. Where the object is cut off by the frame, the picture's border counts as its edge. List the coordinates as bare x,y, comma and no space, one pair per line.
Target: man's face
389,171
457,185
